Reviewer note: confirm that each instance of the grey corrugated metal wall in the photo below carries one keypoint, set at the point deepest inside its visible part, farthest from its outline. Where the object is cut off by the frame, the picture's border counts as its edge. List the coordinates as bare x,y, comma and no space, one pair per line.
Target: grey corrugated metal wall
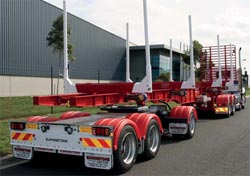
24,27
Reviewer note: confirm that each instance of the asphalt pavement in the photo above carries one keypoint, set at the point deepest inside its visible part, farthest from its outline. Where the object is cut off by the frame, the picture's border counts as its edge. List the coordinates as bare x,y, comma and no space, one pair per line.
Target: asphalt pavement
221,146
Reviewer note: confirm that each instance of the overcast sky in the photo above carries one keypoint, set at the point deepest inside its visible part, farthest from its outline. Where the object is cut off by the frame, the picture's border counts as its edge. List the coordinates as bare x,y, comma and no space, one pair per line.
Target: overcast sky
169,19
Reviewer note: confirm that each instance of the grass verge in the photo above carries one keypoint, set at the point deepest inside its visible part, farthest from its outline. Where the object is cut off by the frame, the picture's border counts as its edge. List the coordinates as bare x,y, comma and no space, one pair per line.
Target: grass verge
247,91
5,148
18,107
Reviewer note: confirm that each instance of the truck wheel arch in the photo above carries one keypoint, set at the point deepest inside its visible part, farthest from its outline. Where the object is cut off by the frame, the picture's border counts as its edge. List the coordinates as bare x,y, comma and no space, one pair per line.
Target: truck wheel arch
183,112
118,124
189,113
142,120
223,99
35,119
226,100
73,114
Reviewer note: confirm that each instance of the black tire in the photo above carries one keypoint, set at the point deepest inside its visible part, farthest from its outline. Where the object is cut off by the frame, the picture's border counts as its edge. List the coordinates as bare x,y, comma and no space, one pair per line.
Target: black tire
127,149
191,127
152,141
228,112
233,109
240,107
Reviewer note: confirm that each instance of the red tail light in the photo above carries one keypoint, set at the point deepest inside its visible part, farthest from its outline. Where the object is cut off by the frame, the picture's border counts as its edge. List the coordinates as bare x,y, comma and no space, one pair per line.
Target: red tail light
101,131
17,125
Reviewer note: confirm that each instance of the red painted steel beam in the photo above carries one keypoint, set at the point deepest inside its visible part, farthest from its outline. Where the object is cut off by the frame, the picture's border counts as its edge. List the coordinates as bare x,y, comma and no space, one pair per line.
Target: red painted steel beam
53,100
110,93
96,99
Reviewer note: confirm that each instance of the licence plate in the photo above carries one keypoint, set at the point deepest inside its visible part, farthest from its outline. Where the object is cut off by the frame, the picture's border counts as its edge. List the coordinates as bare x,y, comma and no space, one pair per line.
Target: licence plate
98,161
178,128
22,152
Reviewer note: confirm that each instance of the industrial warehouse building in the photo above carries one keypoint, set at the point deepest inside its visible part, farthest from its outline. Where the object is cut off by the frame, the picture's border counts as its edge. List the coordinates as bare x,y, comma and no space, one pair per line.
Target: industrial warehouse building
26,60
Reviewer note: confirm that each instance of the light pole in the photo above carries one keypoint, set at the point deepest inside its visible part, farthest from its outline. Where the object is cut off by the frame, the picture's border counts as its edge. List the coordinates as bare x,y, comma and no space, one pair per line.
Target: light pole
240,70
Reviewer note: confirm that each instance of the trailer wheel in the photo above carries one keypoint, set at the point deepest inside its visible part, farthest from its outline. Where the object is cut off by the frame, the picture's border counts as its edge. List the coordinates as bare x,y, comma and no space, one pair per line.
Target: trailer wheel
240,107
191,127
244,102
126,153
228,112
153,140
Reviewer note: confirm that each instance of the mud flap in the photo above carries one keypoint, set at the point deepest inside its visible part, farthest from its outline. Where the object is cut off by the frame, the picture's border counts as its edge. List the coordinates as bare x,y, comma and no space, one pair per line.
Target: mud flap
178,128
22,152
98,161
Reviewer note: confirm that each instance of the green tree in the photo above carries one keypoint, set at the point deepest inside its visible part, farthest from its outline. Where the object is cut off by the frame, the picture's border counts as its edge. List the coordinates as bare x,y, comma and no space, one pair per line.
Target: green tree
55,40
197,46
197,52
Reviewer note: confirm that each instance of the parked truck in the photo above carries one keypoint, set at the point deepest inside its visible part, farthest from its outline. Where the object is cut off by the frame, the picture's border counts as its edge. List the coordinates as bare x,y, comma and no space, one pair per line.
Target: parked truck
219,87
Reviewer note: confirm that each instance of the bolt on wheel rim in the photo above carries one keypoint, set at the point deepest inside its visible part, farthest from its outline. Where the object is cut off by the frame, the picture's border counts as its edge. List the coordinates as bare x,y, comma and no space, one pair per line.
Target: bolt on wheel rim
153,139
128,148
192,125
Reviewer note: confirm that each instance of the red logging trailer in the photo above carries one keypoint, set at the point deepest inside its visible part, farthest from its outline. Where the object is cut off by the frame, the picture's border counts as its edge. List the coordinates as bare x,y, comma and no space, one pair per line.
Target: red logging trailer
112,139
219,90
213,93
95,94
115,138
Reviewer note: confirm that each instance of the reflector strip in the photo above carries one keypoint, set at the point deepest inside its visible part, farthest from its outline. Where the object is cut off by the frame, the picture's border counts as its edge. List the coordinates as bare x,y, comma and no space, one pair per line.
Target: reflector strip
15,135
85,130
32,126
221,109
27,136
22,136
89,142
95,142
105,144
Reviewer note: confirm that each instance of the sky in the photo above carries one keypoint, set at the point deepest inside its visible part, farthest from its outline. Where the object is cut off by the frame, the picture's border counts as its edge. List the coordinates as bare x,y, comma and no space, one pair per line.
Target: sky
230,19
